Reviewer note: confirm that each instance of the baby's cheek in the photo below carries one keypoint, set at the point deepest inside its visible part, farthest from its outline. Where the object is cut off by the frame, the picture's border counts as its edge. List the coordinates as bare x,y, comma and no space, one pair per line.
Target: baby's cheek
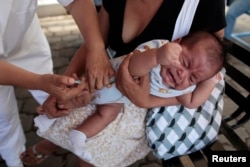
183,85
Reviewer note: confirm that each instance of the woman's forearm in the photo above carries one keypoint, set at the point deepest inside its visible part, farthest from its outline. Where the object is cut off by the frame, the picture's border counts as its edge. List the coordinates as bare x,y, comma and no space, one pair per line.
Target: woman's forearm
85,16
53,84
77,63
13,75
94,61
154,101
141,63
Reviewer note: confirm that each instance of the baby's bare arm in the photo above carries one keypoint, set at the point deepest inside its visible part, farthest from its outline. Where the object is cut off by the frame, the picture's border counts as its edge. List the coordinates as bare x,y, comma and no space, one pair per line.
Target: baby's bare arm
201,92
142,62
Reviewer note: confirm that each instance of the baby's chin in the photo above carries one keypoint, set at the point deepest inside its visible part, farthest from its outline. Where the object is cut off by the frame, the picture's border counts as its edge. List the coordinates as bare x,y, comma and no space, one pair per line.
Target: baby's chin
167,78
174,86
169,84
180,88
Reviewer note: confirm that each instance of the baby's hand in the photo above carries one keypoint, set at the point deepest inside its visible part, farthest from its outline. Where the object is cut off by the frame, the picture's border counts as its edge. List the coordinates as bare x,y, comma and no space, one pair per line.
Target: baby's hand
168,54
216,78
40,110
82,100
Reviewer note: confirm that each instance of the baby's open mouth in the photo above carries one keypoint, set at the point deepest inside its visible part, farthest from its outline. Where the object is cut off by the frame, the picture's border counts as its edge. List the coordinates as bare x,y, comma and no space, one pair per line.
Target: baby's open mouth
171,78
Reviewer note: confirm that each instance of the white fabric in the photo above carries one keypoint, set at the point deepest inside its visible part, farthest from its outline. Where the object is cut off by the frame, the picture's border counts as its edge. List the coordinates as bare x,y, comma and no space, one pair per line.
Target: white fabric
12,138
15,14
22,43
78,142
1,47
43,123
121,143
65,2
185,19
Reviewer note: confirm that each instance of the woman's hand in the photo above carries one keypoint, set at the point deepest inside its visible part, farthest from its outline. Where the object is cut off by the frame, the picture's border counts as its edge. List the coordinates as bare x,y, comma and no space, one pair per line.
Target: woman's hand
49,108
61,87
77,101
136,90
56,106
98,69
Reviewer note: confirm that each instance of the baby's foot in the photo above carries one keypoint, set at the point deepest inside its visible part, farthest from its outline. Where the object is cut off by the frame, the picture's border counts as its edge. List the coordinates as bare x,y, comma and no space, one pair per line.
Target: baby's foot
78,141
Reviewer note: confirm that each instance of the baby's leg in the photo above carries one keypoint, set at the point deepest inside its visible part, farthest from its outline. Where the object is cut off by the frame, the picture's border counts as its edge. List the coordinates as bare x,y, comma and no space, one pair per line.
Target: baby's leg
94,124
103,116
76,102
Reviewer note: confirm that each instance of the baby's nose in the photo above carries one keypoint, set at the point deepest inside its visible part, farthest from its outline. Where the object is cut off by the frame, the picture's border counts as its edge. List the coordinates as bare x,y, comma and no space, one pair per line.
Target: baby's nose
182,73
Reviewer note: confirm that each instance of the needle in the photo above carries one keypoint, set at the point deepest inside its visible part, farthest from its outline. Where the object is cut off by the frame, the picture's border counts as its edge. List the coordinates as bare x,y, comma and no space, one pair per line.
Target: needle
78,82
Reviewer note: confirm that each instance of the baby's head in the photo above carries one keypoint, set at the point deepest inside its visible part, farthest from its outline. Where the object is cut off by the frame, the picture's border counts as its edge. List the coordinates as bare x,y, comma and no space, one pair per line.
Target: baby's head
212,46
201,58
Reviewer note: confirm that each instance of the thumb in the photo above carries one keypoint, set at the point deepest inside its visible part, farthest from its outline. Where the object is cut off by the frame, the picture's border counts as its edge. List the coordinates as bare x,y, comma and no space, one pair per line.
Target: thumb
75,92
144,80
67,80
127,58
175,64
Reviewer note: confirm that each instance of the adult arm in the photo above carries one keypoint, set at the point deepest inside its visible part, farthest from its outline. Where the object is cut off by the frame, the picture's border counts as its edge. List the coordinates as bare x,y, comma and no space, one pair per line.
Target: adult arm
97,67
55,85
138,93
77,65
50,106
78,62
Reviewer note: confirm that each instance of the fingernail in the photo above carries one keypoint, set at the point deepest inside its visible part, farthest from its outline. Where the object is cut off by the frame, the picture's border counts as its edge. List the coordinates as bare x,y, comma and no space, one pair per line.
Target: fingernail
71,80
60,106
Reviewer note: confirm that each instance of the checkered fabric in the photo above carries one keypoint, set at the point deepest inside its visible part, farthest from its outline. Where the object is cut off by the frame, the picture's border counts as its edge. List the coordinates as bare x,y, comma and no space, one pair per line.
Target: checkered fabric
175,130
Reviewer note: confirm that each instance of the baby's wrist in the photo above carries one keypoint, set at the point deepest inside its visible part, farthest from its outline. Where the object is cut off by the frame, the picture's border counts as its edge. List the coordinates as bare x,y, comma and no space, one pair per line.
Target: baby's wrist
215,79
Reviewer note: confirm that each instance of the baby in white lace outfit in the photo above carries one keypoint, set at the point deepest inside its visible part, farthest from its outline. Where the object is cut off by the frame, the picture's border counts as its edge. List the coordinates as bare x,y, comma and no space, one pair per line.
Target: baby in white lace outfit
183,71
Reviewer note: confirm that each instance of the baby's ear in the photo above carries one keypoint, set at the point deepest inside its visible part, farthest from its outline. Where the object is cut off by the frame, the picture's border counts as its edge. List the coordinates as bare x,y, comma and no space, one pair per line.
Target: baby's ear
178,40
